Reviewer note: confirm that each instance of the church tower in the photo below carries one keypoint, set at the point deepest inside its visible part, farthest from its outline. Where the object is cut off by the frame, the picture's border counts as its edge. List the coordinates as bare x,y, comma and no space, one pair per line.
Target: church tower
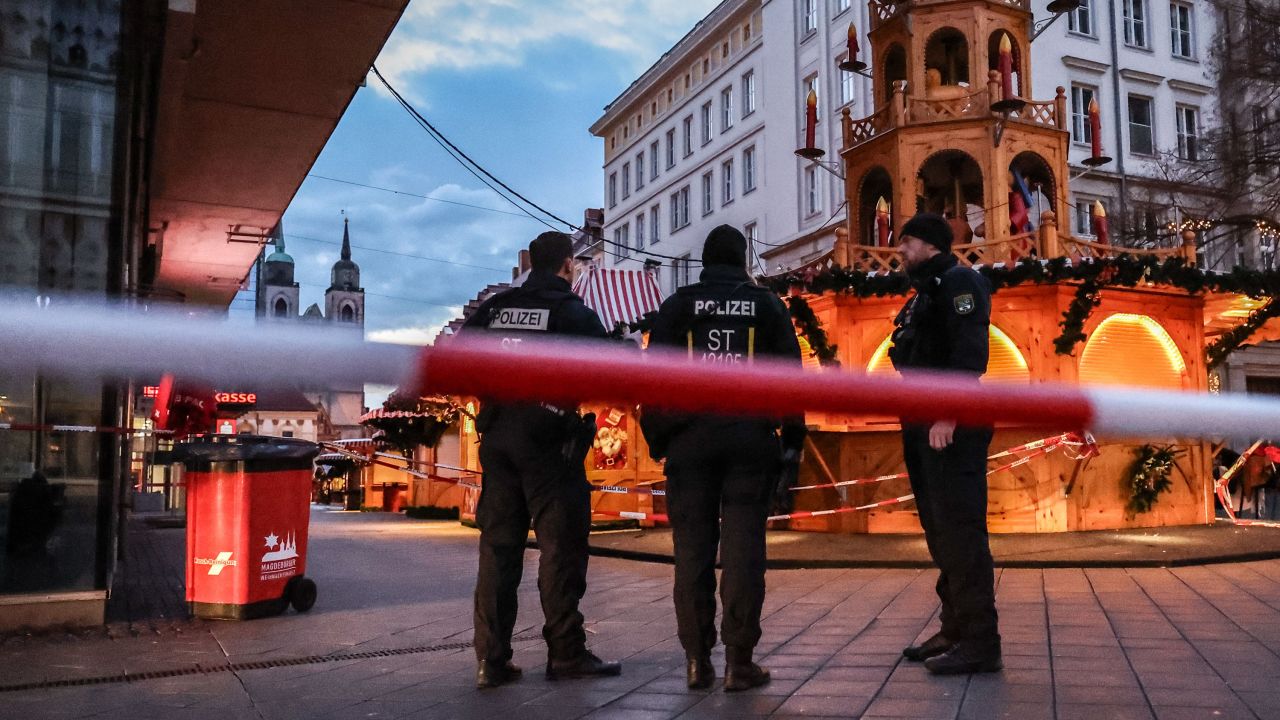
277,296
953,132
344,300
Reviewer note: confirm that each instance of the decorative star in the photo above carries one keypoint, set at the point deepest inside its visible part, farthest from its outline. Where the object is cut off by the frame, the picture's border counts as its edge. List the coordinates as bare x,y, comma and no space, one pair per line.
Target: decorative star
272,540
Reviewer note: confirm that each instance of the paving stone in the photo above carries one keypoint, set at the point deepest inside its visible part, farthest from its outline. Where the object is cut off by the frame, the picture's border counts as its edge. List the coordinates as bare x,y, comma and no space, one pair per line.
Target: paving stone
833,640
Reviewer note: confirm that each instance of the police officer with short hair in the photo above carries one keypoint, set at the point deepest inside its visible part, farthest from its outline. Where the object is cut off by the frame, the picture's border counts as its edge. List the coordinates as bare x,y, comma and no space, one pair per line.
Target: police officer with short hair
944,326
721,471
529,473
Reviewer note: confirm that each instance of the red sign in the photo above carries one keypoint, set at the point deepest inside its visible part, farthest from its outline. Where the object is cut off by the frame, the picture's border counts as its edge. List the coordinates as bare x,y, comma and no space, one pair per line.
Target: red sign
235,398
222,398
226,426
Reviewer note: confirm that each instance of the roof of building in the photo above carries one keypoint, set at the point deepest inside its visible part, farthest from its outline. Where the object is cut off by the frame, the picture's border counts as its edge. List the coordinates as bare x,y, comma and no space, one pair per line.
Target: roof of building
696,34
277,238
282,399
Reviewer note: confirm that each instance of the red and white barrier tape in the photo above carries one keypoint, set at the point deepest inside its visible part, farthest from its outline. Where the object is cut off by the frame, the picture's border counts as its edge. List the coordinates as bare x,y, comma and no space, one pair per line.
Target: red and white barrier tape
655,517
837,511
94,341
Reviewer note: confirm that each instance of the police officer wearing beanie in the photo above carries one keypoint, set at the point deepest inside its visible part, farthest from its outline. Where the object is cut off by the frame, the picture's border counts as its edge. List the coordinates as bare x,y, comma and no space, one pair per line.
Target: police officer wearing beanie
721,471
944,326
529,473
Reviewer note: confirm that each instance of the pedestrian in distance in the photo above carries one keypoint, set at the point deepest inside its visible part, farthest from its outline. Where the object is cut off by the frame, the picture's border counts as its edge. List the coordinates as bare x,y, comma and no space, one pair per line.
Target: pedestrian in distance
943,327
532,456
721,471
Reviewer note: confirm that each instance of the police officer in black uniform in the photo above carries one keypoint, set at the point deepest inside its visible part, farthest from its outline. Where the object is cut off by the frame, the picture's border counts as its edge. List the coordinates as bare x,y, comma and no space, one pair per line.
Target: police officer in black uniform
721,471
530,472
944,326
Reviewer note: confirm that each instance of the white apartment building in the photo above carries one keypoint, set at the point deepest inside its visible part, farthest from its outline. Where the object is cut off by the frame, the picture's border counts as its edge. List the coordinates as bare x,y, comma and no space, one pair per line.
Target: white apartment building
1147,64
707,135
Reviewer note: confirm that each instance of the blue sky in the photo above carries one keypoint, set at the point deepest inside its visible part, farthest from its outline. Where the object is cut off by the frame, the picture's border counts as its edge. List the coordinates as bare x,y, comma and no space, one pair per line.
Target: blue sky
515,84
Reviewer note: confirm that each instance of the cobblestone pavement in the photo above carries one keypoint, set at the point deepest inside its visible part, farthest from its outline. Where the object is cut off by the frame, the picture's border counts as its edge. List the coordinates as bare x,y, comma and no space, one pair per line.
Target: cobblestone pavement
1199,642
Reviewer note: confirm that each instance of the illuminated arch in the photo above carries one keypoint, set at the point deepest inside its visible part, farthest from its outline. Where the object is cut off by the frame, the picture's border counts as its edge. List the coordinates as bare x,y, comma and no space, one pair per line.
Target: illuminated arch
1006,364
808,359
1130,349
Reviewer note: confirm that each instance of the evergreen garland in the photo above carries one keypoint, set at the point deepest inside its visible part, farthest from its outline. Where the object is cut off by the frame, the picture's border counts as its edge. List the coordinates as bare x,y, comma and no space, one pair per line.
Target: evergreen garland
1232,339
811,328
1149,476
1093,275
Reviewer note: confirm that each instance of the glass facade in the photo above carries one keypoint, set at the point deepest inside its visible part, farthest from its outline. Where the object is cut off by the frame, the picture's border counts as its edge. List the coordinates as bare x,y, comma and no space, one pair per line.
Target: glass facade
59,237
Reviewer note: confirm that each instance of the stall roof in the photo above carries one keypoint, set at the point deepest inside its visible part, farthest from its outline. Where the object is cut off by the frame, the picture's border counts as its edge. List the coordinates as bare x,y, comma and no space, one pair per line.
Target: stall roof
619,296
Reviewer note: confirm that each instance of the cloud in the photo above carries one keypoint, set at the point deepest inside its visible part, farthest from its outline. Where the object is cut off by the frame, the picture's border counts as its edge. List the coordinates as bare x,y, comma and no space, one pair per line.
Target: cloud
471,34
407,296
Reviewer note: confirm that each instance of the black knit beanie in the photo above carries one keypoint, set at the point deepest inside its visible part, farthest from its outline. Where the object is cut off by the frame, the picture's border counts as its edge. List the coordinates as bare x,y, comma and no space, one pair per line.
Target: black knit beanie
725,245
930,228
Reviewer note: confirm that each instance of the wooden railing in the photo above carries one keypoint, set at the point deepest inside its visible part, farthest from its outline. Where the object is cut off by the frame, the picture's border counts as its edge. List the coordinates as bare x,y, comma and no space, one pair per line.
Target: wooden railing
1078,249
1043,242
883,11
856,132
927,109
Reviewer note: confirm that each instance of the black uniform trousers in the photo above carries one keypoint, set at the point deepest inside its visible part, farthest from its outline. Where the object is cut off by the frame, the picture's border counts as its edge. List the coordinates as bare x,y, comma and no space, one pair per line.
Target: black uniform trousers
523,480
951,495
720,477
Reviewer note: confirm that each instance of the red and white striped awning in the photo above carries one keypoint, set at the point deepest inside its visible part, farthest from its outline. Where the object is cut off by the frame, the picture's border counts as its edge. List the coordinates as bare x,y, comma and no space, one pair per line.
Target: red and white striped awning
619,296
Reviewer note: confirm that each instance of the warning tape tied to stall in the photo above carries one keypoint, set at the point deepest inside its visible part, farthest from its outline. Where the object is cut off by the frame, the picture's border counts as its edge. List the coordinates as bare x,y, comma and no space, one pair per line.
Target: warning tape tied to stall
95,341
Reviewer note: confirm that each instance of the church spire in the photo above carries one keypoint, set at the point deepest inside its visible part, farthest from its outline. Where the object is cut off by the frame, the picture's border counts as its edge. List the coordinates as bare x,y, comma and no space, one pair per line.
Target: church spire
346,239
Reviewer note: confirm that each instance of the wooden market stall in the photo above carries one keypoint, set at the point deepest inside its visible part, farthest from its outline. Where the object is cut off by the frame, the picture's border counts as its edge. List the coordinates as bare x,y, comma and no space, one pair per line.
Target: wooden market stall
951,133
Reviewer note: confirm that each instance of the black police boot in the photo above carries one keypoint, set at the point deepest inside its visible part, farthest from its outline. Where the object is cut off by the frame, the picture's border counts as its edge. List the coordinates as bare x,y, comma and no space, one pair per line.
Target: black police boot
966,658
491,674
583,666
740,673
936,645
699,672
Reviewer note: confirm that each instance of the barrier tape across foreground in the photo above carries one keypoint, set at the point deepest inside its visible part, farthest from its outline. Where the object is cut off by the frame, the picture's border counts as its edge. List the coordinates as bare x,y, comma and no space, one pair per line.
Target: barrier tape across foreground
103,342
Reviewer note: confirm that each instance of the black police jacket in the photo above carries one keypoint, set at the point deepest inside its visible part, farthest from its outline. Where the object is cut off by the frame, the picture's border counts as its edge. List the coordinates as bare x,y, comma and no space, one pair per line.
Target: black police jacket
543,305
944,325
724,318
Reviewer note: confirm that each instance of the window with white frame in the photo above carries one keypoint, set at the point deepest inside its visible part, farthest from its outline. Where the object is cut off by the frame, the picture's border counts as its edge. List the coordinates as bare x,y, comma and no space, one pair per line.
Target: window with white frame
679,208
750,230
726,182
687,128
1135,22
1181,35
671,148
653,160
640,231
748,169
1141,137
621,240
708,188
748,93
726,109
1188,122
679,272
613,189
626,180
1083,217
809,13
653,225
639,170
1080,20
812,191
707,128
1081,96
839,6
847,89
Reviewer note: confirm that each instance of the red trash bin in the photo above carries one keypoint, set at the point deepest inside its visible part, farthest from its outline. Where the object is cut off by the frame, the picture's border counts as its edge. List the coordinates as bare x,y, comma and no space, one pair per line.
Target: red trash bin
248,508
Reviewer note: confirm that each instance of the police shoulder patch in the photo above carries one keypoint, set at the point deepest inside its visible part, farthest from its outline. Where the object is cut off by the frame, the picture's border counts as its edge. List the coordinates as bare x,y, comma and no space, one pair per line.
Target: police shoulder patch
964,304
